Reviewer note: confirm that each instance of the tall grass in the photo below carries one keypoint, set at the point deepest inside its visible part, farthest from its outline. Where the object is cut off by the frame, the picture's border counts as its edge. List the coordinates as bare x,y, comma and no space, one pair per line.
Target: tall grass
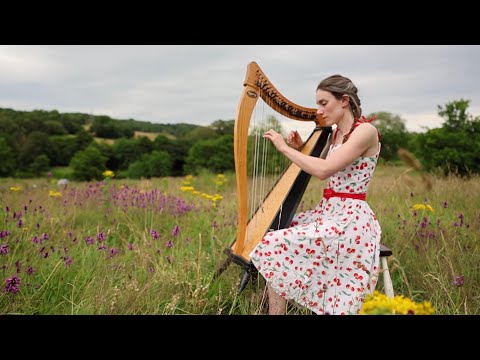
152,247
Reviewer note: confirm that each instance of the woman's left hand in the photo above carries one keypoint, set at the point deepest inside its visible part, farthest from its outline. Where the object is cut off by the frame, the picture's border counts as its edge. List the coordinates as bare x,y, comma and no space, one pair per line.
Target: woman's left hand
276,139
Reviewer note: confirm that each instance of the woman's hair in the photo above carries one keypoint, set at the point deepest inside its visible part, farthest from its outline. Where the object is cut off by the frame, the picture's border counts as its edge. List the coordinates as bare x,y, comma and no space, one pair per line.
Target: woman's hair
339,85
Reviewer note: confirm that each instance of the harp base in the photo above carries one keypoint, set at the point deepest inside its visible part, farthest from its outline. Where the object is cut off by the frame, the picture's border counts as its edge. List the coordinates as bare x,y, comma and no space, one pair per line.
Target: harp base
250,271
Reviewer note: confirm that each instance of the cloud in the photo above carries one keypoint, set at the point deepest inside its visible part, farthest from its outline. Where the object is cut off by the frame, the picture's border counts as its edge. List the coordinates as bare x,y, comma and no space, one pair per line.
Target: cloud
202,83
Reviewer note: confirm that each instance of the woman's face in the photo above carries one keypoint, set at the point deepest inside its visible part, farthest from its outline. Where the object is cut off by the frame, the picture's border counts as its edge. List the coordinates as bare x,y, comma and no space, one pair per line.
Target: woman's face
331,109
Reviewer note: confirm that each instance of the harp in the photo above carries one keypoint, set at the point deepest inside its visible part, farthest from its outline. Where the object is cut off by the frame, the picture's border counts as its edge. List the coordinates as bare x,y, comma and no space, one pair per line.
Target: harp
277,209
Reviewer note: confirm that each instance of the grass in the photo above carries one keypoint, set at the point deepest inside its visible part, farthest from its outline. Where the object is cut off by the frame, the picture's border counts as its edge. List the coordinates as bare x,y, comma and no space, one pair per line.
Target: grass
147,247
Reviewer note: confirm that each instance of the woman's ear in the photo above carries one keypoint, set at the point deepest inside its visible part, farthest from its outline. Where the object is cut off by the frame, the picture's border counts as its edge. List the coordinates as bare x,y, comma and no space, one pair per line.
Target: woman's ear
345,100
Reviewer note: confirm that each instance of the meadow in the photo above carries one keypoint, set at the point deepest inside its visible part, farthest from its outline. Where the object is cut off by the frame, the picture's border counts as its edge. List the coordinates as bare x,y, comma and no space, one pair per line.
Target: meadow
152,246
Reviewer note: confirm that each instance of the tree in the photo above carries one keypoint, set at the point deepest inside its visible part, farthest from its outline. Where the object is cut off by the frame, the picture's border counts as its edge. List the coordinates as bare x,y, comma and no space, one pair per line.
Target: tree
393,132
39,165
223,127
156,164
455,147
455,114
213,155
7,165
88,164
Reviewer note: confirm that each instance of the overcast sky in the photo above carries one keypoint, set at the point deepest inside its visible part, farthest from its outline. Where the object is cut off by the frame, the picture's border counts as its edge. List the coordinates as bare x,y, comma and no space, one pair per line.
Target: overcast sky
199,84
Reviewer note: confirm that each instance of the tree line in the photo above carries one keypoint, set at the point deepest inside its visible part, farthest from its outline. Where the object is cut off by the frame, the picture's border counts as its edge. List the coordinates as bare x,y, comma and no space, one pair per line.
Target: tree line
32,143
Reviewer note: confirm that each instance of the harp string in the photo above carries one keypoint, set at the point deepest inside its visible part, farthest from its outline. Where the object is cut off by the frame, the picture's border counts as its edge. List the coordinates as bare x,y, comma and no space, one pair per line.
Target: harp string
267,164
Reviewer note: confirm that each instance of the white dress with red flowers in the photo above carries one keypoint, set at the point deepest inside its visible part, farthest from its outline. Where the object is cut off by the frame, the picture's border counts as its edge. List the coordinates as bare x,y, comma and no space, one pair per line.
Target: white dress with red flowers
328,260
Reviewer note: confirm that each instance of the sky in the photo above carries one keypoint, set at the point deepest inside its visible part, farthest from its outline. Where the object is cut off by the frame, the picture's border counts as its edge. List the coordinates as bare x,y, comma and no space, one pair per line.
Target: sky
199,84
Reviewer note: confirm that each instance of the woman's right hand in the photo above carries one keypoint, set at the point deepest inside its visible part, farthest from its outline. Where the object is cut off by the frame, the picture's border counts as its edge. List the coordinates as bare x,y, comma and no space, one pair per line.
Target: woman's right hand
294,140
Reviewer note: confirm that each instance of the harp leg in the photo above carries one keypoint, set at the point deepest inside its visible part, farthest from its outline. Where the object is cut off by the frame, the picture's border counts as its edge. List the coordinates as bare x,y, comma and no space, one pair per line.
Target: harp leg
255,278
250,272
222,268
244,280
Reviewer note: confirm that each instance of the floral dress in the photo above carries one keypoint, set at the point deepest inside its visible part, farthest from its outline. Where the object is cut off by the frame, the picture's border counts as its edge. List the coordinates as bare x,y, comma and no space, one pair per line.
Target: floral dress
328,259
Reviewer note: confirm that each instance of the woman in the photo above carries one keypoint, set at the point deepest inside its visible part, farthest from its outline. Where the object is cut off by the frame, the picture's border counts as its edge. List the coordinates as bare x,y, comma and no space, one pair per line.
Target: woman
328,259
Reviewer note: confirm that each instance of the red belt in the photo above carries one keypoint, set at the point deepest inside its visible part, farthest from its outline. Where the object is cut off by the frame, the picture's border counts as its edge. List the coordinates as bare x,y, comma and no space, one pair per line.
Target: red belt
329,193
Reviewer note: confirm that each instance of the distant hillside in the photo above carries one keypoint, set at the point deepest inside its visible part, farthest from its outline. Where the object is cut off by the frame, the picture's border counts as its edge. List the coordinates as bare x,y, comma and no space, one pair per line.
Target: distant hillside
56,123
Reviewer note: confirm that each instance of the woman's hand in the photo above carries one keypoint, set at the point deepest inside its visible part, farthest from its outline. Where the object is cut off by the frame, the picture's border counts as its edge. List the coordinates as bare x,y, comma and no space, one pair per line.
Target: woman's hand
276,139
295,140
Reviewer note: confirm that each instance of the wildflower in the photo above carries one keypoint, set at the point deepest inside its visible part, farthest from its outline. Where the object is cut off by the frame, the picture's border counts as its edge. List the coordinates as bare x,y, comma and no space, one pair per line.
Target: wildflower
113,251
380,304
108,174
3,249
12,284
52,193
15,188
68,260
130,246
445,204
30,270
422,207
89,240
458,280
187,188
155,235
169,244
175,231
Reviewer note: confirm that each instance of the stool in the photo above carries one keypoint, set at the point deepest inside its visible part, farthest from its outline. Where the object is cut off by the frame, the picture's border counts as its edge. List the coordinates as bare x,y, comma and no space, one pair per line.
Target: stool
385,252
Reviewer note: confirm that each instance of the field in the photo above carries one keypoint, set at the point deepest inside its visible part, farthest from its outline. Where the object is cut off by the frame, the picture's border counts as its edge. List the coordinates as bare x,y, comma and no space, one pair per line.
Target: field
152,246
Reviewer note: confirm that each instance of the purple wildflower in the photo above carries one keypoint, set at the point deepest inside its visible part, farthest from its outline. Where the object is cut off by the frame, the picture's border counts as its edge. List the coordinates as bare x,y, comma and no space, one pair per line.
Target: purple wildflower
68,260
155,235
3,249
458,280
112,252
101,237
151,269
175,231
445,204
30,270
169,244
130,246
37,240
89,240
12,284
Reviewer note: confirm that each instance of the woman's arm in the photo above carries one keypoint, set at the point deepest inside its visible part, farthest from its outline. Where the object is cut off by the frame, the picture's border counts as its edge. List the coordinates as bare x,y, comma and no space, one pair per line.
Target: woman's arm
363,138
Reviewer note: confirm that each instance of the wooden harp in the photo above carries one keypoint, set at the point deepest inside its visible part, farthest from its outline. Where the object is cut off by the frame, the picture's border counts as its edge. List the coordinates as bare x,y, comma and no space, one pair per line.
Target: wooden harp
278,207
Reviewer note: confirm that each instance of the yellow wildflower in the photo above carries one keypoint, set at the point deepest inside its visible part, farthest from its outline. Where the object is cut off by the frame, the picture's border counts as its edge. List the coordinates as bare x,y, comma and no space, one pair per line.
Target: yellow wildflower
52,193
380,304
422,207
108,174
